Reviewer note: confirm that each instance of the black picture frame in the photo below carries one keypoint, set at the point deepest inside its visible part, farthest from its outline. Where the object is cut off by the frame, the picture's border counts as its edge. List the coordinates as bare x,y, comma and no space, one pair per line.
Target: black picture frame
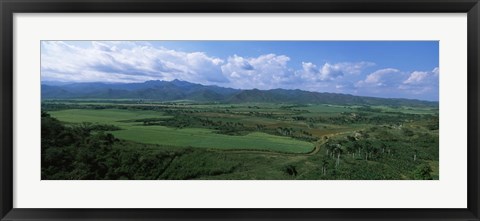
9,7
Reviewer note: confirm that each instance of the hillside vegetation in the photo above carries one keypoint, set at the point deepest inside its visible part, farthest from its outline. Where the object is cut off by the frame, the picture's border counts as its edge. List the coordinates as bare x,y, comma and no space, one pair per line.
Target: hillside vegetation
259,139
183,90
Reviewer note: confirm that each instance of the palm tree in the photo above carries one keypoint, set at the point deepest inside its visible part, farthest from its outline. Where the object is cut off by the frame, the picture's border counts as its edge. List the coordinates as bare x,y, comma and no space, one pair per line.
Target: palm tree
337,150
324,166
330,147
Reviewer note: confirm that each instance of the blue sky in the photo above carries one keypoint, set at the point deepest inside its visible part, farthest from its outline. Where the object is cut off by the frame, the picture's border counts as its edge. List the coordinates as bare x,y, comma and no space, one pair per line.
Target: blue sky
394,69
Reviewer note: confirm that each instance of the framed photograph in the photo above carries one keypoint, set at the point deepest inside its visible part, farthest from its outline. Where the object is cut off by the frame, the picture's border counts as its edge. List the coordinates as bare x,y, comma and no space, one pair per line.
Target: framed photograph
229,110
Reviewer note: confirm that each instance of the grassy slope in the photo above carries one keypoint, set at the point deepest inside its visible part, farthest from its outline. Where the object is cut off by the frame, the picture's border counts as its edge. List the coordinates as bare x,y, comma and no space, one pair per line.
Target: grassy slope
193,137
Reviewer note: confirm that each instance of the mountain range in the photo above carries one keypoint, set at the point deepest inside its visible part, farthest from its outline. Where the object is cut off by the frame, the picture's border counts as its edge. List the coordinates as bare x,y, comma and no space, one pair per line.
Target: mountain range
183,90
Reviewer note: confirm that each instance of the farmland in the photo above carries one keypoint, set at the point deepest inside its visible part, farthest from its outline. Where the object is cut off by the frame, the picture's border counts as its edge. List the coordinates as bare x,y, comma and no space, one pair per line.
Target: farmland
184,139
240,110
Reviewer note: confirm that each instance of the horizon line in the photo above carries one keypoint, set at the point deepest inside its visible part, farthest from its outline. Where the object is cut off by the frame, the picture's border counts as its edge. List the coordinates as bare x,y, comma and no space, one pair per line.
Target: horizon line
243,89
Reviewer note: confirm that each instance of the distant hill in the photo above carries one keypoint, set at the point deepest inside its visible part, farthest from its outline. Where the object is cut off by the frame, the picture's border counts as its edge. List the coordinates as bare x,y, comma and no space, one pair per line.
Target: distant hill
151,90
183,90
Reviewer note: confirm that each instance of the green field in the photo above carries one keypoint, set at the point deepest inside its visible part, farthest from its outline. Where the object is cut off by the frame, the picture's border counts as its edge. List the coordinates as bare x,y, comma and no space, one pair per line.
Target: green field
193,137
110,116
126,139
187,137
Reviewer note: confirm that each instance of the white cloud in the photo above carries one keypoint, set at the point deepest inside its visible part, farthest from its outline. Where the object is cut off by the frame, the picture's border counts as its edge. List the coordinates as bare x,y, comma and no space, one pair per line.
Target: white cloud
130,61
420,82
353,67
416,77
270,71
264,72
436,71
422,77
382,77
327,72
103,47
119,62
391,82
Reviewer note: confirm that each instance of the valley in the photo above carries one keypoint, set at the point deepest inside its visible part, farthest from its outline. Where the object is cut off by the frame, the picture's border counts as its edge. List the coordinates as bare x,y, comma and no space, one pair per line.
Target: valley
191,139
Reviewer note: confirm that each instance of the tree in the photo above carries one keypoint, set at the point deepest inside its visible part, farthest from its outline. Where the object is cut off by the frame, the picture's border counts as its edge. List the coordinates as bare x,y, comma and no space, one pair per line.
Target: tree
408,132
290,170
423,172
330,147
324,166
351,149
338,151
